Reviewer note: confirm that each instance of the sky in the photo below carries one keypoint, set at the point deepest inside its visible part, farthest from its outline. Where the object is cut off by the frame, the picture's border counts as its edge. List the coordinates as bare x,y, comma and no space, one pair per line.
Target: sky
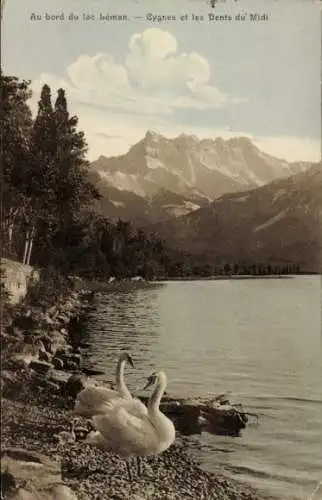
207,77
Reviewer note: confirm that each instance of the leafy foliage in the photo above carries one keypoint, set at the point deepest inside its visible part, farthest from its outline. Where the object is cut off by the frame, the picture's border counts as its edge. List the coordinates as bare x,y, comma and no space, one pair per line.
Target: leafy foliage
45,168
16,122
5,304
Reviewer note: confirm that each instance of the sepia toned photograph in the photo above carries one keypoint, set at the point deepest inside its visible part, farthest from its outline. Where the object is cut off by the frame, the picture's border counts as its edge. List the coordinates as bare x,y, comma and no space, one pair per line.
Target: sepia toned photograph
161,250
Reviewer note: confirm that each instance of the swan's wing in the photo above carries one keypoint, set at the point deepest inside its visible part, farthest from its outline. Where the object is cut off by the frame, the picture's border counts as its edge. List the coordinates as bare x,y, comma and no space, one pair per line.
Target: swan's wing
133,406
126,433
138,408
118,418
90,400
92,395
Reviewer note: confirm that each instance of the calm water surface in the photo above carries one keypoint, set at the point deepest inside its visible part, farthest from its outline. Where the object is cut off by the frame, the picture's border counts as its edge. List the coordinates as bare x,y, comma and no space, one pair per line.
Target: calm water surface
258,339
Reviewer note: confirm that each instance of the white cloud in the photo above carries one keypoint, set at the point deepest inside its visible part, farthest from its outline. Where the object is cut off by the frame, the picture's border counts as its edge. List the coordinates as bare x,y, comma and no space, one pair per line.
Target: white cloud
154,43
118,101
154,75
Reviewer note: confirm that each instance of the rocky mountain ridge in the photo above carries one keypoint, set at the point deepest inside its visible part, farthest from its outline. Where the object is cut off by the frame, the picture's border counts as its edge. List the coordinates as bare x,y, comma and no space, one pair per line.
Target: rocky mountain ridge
186,165
161,178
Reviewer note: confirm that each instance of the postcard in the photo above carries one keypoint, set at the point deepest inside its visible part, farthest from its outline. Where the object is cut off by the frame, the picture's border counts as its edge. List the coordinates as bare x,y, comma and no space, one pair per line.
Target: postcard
161,249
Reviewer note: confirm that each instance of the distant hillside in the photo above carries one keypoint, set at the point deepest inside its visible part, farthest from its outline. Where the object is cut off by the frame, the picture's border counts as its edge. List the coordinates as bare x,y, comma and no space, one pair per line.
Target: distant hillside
279,222
126,205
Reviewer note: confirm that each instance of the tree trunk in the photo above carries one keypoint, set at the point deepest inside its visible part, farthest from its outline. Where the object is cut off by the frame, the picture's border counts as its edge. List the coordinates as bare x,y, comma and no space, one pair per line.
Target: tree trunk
31,242
29,251
9,223
25,253
10,231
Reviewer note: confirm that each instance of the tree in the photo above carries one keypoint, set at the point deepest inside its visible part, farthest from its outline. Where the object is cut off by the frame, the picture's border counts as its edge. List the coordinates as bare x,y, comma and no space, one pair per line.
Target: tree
74,191
58,175
39,185
16,121
227,268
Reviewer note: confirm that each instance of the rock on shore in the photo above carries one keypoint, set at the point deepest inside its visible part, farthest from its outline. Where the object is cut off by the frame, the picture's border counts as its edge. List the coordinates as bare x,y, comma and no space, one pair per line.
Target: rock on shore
29,475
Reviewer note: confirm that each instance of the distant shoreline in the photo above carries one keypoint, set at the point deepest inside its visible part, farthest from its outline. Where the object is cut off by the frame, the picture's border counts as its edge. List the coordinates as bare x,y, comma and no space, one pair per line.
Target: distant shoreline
232,277
134,284
239,277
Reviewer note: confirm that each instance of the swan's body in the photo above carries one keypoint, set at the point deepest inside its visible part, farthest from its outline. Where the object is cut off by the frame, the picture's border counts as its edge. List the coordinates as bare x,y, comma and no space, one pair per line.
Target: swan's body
122,432
92,400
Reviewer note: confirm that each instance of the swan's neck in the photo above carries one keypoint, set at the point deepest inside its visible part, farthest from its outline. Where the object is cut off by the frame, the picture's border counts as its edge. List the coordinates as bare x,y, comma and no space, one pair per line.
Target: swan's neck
155,399
120,384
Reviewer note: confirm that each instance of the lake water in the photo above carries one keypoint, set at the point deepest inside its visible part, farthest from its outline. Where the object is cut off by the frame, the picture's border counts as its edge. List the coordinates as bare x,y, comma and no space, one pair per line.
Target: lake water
259,339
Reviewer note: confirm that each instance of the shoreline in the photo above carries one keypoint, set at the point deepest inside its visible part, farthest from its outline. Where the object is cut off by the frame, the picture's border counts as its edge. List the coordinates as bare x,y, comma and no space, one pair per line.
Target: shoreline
233,277
129,284
112,284
36,410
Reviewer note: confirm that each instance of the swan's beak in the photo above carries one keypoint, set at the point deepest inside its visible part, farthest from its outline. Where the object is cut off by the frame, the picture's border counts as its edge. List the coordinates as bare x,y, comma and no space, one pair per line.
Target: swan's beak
149,382
130,360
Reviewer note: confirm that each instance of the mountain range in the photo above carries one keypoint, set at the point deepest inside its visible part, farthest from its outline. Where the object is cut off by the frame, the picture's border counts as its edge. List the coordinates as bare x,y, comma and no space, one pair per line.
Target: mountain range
160,178
224,200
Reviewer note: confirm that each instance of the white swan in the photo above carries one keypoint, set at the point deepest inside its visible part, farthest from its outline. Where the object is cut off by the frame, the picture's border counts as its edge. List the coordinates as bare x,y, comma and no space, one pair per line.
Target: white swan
92,400
126,434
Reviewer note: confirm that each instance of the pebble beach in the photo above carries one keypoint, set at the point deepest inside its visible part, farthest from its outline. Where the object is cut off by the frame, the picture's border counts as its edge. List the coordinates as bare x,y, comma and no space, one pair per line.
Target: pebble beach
34,423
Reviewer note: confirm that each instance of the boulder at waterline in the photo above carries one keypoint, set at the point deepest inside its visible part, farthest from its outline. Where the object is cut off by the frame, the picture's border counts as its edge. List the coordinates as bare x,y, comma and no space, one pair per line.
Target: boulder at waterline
192,416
